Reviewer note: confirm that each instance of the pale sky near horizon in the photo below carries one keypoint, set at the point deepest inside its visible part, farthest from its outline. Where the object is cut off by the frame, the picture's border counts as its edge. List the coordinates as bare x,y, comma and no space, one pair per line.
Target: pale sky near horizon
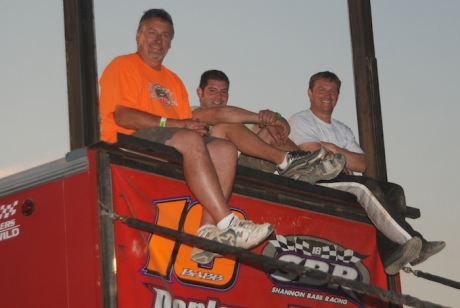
269,49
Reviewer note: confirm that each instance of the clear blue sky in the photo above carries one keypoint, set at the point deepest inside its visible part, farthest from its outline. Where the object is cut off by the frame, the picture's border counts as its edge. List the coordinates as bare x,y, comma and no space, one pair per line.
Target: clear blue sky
269,49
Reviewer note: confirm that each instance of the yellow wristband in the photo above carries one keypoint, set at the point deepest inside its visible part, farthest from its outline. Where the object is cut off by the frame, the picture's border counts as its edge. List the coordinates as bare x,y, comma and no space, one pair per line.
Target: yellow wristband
163,122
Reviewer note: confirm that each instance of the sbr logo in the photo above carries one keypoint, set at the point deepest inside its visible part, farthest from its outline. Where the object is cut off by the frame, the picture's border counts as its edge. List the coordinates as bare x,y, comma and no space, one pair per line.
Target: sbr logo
8,210
318,254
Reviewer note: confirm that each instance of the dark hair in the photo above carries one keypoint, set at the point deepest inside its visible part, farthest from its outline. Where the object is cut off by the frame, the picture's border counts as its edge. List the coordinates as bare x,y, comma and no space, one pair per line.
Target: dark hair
331,77
213,74
157,13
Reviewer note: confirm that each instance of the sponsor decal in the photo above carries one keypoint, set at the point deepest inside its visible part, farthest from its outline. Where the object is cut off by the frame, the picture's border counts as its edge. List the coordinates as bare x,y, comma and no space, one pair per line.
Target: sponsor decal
8,227
310,295
318,254
170,258
169,278
201,275
163,299
174,257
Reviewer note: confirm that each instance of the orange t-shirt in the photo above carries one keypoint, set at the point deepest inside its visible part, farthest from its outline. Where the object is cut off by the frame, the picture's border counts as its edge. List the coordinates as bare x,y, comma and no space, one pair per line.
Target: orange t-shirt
129,82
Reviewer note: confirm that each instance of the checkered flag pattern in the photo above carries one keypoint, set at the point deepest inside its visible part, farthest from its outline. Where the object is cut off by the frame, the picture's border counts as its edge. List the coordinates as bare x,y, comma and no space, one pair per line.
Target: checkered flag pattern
8,210
329,252
297,245
349,256
302,247
281,244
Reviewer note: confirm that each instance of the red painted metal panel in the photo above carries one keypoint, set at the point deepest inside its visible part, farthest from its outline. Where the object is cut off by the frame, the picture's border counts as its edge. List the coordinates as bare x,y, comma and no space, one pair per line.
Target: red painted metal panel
83,239
32,261
153,271
51,258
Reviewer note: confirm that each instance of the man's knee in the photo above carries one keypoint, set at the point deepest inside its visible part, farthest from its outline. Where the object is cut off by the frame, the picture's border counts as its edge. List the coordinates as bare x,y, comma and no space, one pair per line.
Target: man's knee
186,139
265,135
374,187
221,147
371,184
396,196
395,190
223,144
220,130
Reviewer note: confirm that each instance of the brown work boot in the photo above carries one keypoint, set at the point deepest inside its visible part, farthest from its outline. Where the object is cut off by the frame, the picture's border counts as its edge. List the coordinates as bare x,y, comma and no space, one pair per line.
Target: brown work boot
403,255
428,249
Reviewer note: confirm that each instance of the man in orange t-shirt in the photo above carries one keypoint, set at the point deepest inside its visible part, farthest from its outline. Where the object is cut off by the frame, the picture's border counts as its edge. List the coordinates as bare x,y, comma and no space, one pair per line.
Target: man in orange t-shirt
140,96
130,82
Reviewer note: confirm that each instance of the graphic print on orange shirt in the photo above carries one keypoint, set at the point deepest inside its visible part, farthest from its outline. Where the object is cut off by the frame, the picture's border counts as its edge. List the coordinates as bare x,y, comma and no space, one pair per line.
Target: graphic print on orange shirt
165,96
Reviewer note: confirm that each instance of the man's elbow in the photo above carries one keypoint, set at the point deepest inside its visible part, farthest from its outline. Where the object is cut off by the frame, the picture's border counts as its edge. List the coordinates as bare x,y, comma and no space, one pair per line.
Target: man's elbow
362,166
118,115
362,169
356,164
121,115
356,167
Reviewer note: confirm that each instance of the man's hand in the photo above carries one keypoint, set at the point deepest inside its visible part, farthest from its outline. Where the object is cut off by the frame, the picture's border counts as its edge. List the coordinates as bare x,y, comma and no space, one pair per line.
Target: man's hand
280,130
355,161
331,147
196,125
277,126
267,118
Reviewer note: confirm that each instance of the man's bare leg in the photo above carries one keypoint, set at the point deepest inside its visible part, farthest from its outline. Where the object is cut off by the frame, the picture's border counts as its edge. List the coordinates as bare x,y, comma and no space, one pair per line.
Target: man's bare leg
200,174
266,137
248,143
320,166
209,172
225,165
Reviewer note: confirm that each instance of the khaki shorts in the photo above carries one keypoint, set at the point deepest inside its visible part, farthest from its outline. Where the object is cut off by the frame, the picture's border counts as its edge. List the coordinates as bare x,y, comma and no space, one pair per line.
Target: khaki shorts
162,134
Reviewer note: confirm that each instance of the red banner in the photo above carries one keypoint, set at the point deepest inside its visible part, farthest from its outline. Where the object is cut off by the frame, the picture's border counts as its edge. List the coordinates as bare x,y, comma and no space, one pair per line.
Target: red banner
154,271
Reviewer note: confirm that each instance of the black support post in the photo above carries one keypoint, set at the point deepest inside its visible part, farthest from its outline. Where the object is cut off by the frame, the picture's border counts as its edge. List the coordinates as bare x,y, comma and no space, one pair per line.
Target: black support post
367,88
81,73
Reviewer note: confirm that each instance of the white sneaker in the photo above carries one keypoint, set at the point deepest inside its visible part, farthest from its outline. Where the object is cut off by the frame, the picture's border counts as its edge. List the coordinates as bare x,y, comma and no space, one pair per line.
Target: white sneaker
211,232
298,162
313,167
249,234
329,168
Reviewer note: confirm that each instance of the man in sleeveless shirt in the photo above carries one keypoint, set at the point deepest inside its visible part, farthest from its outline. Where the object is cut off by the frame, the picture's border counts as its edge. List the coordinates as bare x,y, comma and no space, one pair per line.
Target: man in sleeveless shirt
262,136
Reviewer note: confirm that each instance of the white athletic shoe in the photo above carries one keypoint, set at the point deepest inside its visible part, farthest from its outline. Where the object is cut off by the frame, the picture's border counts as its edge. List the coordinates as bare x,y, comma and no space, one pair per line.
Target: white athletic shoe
327,169
298,162
249,234
211,232
313,167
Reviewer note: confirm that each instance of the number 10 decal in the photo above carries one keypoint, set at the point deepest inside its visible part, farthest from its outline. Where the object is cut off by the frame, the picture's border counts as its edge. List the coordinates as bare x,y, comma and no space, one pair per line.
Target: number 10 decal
168,254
